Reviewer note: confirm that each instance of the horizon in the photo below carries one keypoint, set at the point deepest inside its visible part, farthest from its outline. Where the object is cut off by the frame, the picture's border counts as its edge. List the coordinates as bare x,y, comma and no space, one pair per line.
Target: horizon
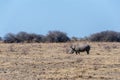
74,17
60,31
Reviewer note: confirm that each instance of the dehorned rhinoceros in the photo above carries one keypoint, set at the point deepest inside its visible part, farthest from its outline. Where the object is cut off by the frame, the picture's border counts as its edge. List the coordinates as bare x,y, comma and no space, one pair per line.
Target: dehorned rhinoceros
77,48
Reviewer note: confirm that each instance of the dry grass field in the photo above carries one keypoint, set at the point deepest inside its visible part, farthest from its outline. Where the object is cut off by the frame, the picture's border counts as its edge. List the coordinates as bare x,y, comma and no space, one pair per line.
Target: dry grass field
49,61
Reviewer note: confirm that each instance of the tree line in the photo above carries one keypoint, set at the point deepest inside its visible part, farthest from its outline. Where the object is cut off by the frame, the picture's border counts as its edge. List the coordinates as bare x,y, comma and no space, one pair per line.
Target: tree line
21,37
105,36
58,36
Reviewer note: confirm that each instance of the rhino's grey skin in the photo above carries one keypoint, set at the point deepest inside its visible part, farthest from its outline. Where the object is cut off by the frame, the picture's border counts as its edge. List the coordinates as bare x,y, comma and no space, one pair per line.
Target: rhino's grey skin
78,49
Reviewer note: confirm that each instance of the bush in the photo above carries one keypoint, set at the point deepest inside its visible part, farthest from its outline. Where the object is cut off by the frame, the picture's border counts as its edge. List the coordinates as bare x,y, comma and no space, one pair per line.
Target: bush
36,38
53,36
10,38
74,39
107,36
57,36
22,36
0,38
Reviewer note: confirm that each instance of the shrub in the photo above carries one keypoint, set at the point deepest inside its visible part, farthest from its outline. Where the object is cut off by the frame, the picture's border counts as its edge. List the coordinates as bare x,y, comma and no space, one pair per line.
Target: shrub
10,38
57,36
22,36
74,39
107,36
53,36
36,38
0,38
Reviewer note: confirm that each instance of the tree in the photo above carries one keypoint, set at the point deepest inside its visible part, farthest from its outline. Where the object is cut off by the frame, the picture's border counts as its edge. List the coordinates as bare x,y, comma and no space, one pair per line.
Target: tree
22,36
57,36
10,38
107,36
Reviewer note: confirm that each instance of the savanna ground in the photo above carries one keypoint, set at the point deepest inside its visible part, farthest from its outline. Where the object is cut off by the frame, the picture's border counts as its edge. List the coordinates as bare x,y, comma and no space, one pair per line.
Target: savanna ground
49,61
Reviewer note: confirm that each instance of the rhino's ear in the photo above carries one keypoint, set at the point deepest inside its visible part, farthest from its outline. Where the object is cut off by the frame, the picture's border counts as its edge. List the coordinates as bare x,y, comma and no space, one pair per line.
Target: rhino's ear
72,47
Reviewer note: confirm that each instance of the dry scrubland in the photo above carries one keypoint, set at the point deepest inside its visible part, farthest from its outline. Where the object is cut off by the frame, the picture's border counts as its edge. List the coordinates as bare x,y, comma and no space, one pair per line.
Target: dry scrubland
49,61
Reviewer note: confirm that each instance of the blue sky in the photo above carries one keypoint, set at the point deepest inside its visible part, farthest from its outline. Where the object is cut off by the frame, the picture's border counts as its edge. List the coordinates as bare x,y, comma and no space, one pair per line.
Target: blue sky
75,17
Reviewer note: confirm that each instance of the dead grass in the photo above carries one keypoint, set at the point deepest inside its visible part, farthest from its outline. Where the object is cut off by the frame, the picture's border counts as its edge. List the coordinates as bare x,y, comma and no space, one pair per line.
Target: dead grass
49,61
